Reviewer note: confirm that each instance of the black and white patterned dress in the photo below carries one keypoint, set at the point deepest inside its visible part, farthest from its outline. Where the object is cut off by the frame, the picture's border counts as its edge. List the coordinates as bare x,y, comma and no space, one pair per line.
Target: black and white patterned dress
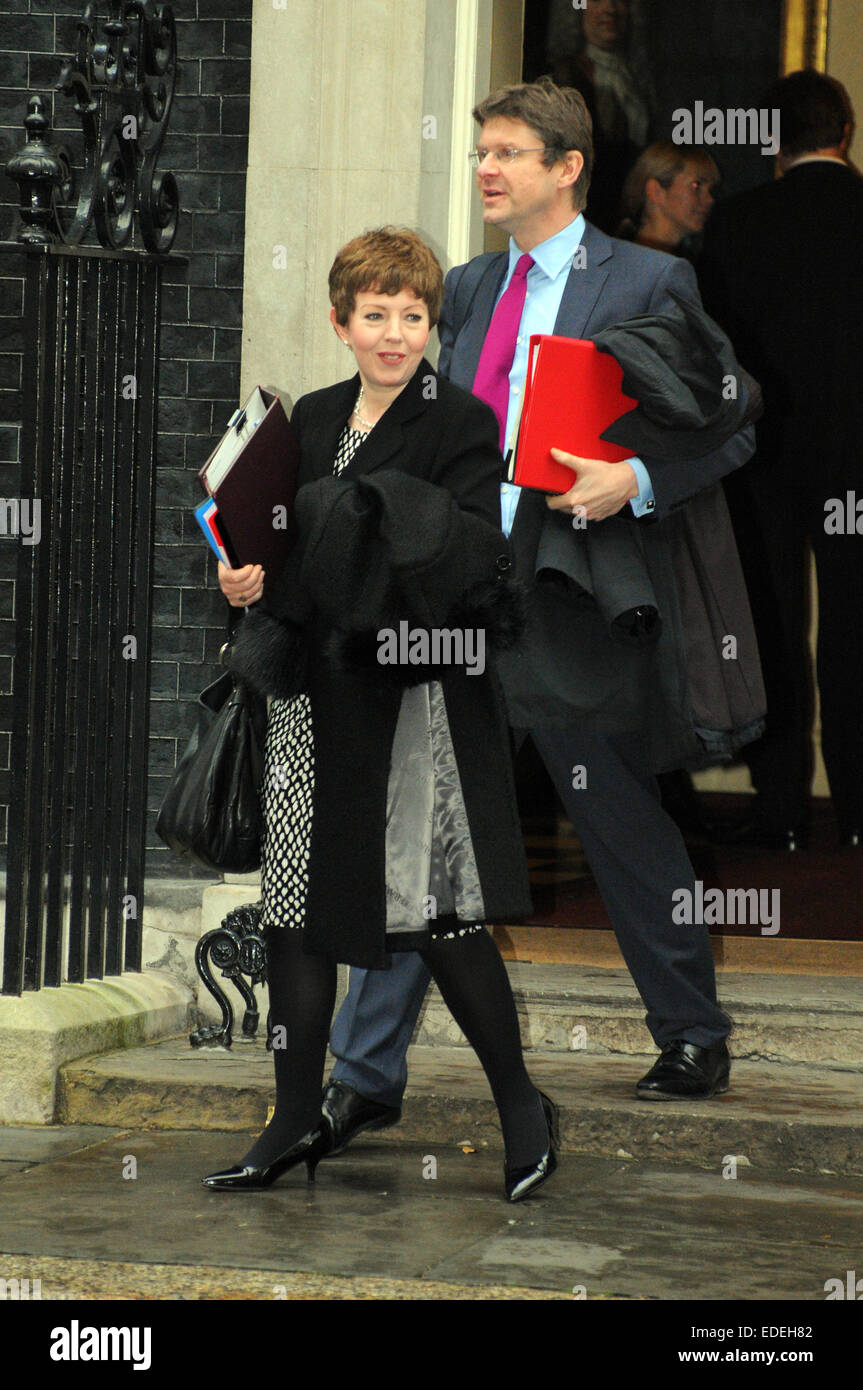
288,790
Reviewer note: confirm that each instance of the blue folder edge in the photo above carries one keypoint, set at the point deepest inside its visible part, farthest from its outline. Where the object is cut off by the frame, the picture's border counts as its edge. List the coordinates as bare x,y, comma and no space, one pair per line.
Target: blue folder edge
206,514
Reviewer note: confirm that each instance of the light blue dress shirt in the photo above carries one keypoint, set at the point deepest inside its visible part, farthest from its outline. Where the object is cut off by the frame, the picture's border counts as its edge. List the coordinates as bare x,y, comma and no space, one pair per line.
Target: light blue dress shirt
546,280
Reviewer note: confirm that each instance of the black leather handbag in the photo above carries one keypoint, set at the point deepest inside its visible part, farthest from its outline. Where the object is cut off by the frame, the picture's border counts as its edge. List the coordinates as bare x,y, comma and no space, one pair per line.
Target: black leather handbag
212,811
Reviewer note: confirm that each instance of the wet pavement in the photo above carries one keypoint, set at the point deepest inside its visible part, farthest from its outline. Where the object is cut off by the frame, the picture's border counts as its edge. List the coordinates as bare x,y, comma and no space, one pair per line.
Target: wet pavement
96,1213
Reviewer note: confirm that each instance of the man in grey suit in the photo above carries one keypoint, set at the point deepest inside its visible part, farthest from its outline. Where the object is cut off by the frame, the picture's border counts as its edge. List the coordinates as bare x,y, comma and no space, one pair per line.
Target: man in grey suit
561,275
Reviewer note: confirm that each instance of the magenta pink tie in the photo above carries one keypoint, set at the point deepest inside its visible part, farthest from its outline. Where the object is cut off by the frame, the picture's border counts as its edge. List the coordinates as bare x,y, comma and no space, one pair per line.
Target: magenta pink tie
491,382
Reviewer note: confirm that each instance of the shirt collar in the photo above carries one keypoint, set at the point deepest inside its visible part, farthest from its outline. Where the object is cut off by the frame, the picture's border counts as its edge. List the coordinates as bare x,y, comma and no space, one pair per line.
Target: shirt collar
814,159
553,255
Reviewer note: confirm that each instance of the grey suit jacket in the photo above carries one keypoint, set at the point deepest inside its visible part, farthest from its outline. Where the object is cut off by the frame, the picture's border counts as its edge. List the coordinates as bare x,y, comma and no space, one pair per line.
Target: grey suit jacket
570,669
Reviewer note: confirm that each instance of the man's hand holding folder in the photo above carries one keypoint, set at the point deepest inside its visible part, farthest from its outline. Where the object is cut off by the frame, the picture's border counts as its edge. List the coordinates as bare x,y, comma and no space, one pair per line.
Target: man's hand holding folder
572,394
601,489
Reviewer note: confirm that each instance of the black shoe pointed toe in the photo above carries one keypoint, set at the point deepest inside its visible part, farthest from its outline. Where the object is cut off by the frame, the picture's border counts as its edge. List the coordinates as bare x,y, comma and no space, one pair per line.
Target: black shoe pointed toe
248,1178
521,1182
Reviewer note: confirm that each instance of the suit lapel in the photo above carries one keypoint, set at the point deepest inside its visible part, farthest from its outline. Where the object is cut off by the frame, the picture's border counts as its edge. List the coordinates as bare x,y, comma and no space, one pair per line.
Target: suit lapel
471,335
584,284
321,435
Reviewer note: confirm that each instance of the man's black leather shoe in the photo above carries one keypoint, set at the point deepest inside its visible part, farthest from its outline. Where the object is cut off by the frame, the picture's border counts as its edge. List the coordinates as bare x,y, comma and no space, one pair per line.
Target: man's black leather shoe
852,838
346,1114
685,1071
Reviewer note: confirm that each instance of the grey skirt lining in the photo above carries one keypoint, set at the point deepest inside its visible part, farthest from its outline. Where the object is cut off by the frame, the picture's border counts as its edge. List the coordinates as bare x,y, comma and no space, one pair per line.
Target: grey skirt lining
431,869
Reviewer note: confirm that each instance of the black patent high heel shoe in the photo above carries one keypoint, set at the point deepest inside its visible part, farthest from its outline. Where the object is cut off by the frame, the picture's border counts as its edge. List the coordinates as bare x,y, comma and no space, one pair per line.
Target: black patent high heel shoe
520,1182
244,1178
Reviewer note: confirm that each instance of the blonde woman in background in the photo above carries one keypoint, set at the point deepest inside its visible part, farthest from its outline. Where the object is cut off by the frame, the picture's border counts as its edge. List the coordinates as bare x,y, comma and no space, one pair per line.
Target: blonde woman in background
667,197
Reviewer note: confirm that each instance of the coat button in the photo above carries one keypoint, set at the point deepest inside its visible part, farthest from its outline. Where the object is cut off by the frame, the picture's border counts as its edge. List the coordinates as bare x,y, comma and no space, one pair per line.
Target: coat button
503,563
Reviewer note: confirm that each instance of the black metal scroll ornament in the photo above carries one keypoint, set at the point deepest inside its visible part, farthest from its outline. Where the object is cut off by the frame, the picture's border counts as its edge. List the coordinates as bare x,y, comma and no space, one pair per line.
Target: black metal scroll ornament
236,948
123,88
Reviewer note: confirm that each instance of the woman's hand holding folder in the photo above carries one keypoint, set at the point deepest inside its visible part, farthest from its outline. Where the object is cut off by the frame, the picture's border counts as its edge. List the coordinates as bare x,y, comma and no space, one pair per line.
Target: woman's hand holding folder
243,586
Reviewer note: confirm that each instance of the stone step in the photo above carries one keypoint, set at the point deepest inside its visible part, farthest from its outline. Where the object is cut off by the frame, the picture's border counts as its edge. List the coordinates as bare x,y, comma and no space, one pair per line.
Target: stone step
790,1116
790,1018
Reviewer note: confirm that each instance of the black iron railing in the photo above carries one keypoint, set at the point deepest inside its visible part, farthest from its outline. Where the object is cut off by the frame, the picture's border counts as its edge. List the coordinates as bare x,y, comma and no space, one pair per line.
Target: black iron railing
83,598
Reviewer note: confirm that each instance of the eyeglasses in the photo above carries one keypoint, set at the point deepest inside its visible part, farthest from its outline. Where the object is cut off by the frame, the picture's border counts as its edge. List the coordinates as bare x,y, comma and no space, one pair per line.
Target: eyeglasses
508,155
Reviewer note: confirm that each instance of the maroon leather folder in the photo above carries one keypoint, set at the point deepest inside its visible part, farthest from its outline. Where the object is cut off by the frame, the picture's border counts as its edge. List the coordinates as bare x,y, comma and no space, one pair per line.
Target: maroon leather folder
255,498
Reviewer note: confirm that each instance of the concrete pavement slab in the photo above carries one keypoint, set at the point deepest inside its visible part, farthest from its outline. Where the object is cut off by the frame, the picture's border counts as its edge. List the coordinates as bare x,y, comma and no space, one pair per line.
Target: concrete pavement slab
601,1227
35,1143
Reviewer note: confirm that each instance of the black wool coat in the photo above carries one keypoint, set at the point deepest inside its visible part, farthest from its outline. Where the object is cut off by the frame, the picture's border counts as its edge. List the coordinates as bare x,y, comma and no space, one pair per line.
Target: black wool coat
409,531
781,271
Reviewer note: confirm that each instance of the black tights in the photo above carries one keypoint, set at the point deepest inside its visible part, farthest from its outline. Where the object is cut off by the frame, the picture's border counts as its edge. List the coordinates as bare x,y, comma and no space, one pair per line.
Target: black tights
471,976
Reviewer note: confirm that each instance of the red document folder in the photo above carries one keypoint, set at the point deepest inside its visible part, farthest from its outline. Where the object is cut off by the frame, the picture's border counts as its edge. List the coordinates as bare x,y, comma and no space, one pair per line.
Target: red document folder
572,392
255,497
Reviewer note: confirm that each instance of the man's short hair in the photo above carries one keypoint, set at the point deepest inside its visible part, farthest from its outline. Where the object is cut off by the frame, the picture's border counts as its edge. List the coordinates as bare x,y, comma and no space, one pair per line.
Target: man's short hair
814,110
559,115
387,260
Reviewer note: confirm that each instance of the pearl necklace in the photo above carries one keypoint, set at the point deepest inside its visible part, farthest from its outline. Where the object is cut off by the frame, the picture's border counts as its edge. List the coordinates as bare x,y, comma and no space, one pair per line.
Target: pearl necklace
369,424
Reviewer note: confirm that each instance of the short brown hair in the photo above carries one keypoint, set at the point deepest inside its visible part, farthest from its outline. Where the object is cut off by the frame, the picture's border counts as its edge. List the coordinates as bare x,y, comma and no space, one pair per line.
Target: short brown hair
388,260
560,117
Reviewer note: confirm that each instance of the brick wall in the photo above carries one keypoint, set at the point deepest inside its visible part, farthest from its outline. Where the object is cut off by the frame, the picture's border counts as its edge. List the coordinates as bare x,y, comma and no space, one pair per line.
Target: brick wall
200,350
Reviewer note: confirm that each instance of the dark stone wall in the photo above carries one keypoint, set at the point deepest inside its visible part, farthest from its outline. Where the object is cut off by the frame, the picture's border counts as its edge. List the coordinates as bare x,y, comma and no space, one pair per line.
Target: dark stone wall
206,148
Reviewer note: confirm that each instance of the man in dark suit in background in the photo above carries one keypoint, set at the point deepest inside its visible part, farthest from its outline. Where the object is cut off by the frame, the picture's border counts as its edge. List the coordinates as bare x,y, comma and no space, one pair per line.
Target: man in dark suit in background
781,271
562,275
